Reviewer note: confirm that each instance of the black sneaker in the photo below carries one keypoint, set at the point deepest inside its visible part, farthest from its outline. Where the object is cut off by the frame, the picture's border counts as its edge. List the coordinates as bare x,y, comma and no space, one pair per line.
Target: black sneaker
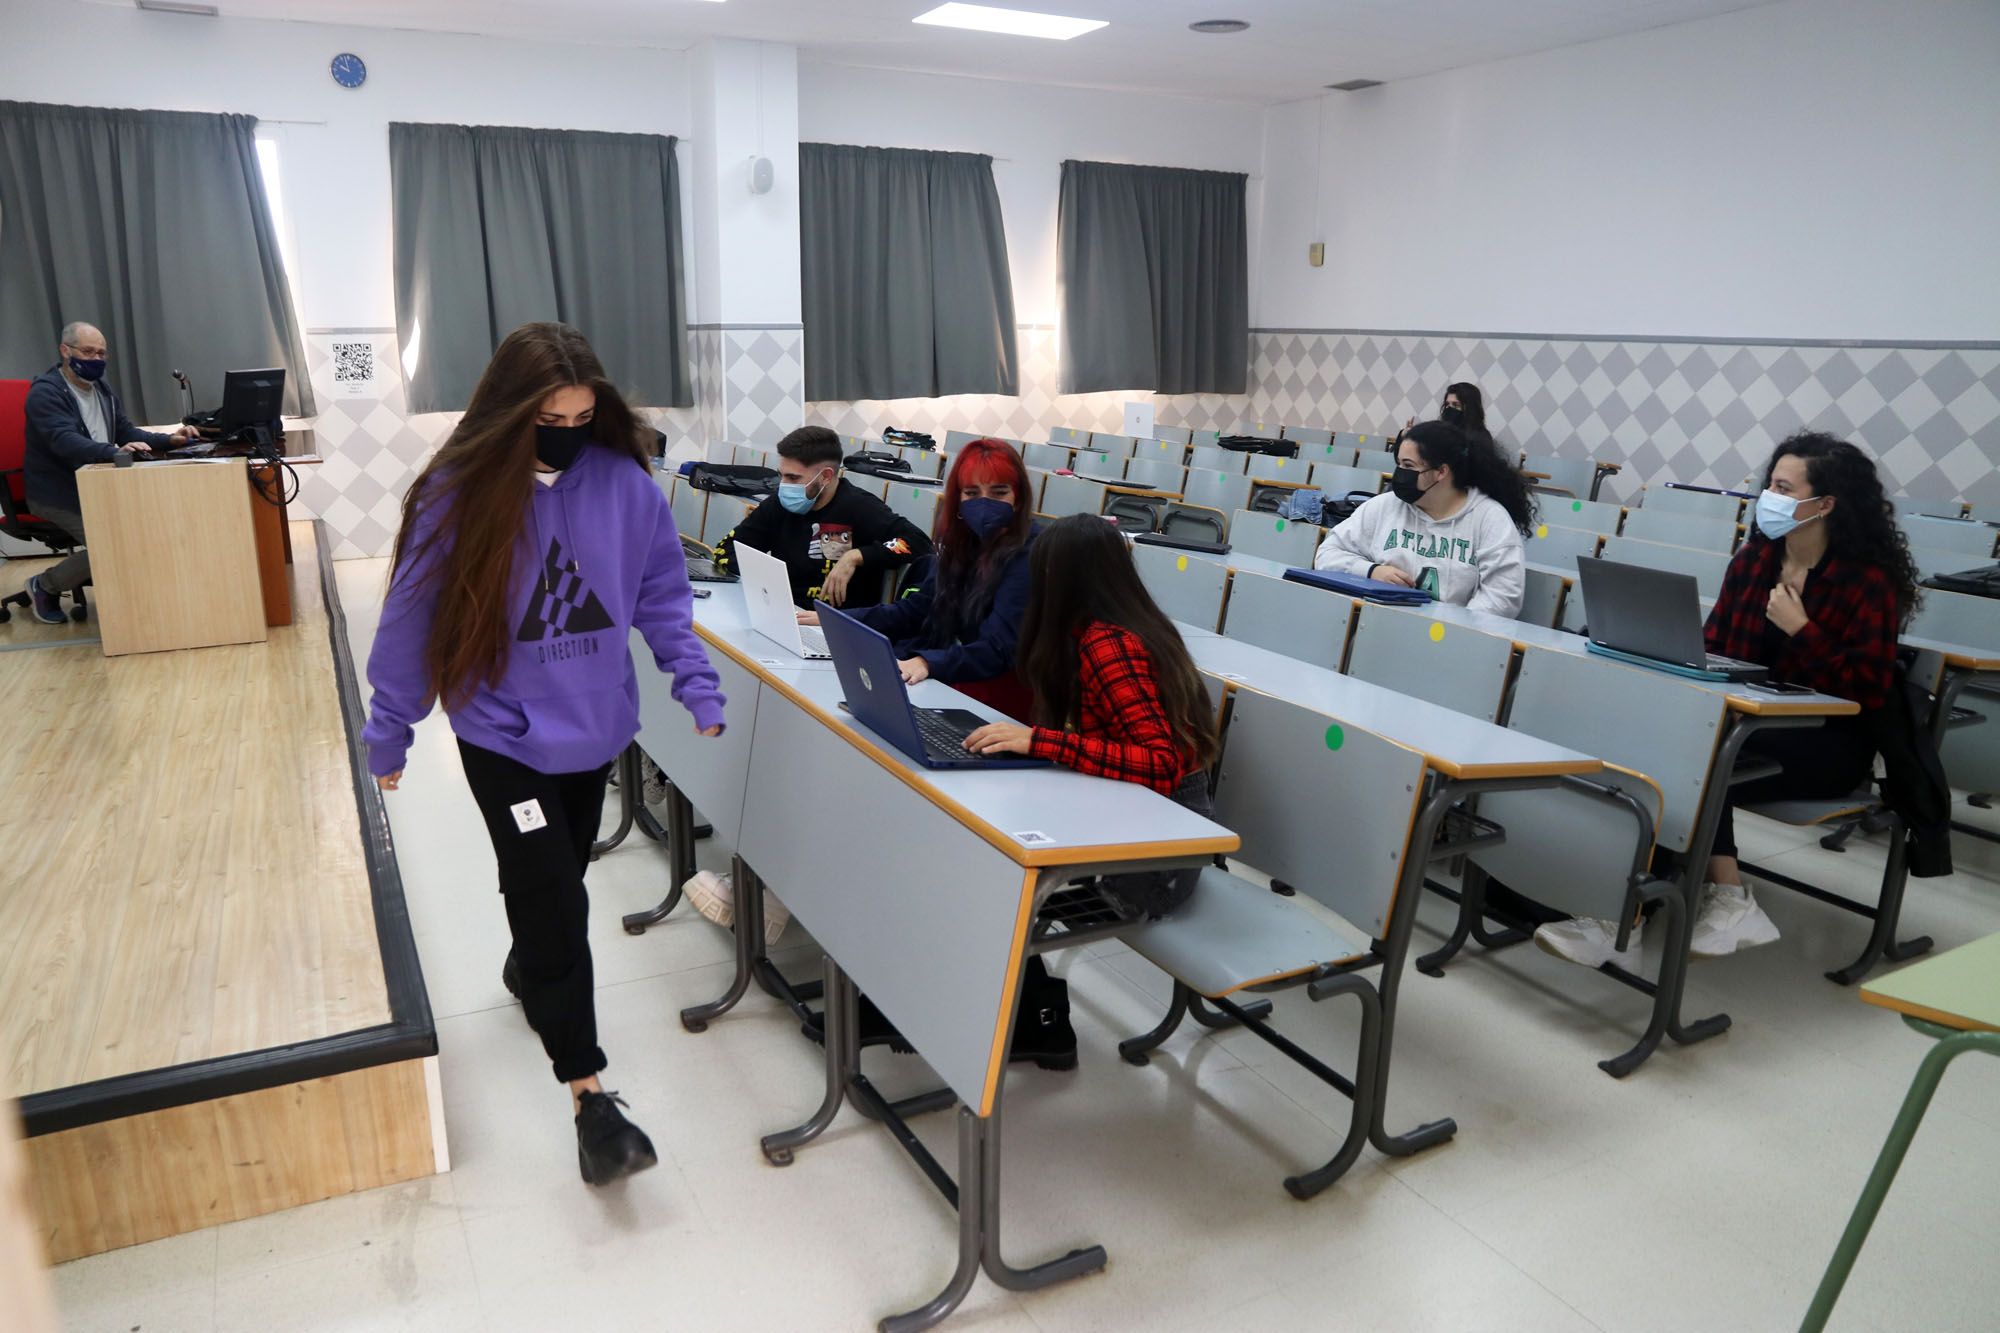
1042,1032
510,975
876,1029
47,605
608,1146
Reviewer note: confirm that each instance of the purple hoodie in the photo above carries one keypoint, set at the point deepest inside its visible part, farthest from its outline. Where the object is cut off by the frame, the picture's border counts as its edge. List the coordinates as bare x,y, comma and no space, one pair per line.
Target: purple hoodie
597,559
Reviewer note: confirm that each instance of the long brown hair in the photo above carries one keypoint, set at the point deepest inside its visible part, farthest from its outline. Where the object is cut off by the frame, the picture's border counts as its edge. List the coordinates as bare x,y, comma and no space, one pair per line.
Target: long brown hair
479,486
1084,573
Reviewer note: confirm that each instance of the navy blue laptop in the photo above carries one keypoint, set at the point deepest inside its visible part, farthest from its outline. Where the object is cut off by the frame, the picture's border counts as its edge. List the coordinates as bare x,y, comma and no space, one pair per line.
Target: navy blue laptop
873,684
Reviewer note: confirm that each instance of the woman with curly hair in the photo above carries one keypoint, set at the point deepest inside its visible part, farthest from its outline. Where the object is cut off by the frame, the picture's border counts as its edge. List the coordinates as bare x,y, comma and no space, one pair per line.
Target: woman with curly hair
1818,593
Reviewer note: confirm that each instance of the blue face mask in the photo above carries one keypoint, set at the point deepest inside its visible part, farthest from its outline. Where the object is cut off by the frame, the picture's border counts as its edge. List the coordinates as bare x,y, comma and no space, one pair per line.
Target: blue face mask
1777,514
986,517
796,496
89,371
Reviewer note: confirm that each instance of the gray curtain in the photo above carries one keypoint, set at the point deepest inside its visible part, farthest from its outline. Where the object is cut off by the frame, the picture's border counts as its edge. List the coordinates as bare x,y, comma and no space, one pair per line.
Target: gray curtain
153,226
903,267
497,227
1155,270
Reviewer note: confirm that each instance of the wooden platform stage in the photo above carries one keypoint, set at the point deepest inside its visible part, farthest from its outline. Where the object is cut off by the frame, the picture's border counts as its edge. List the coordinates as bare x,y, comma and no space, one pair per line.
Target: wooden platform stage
210,1003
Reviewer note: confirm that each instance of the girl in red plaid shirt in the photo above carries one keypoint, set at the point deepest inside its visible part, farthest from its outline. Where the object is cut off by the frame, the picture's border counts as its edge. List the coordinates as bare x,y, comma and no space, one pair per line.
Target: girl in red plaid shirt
1818,593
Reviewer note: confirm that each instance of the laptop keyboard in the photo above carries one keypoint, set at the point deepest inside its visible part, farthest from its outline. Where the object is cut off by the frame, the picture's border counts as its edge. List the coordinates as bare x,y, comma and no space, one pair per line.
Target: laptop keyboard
942,736
813,641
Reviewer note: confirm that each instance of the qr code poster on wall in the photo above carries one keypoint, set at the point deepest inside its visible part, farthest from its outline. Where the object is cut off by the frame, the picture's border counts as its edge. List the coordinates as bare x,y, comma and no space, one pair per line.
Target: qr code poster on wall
354,368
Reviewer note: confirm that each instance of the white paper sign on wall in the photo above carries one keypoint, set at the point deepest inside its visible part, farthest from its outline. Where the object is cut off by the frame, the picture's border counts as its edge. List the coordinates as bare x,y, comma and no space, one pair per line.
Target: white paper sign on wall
1139,420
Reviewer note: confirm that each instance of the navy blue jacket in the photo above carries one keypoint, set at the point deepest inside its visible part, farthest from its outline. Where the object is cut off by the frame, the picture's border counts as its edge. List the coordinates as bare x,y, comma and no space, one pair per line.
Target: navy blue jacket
959,638
59,443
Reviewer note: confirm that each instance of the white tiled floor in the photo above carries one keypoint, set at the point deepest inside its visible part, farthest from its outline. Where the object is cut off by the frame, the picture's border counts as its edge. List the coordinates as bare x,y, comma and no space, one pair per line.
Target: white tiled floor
1704,1192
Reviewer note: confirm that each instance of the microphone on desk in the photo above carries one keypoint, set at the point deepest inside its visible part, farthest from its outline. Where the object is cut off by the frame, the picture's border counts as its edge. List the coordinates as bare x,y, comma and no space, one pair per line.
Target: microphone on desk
188,392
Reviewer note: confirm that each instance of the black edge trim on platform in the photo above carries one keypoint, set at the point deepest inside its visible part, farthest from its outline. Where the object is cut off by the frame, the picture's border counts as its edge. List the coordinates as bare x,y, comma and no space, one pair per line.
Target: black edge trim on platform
410,1033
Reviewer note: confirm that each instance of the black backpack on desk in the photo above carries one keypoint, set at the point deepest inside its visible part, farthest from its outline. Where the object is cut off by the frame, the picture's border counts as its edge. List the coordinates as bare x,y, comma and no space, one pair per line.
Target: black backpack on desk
744,480
1260,444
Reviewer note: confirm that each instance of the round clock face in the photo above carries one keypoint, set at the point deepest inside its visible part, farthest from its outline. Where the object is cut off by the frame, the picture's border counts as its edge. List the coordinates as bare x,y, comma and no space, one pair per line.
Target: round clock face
348,71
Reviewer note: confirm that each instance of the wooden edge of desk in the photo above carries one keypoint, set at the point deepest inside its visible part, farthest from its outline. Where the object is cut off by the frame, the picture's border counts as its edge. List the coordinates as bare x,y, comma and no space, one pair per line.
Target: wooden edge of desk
1000,841
996,1058
1967,662
1925,1012
1780,708
1659,793
1551,768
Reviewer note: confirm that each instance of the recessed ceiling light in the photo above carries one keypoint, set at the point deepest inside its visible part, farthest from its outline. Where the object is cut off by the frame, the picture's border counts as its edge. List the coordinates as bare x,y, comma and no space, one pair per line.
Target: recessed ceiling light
1013,22
1218,25
1353,85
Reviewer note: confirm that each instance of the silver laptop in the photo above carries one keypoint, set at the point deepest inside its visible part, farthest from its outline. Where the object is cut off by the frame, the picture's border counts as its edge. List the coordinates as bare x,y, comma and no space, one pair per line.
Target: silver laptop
767,592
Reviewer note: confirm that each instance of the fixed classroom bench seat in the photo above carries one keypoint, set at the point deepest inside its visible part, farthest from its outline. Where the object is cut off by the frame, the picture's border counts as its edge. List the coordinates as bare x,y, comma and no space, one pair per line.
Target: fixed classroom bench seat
1270,467
1069,435
1931,562
1198,522
1337,480
1544,594
1215,458
1597,516
1159,474
1063,496
1907,508
954,440
1584,846
1272,537
1559,547
1326,808
1161,451
1226,491
1326,455
723,514
690,508
1690,530
918,504
1054,457
1375,460
1952,534
1188,588
1307,436
1295,619
1682,500
1117,446
1179,435
1575,477
1406,651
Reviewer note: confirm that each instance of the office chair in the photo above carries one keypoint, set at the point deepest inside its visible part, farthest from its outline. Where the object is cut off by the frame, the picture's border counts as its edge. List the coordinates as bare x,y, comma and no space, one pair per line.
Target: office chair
15,518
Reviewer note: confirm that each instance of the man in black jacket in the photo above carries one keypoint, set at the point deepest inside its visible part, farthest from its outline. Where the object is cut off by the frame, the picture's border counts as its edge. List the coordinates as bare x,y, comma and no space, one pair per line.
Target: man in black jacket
74,419
838,541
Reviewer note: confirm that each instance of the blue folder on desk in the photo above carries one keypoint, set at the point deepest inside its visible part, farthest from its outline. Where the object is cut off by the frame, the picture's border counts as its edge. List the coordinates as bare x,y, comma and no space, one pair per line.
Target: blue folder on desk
1353,585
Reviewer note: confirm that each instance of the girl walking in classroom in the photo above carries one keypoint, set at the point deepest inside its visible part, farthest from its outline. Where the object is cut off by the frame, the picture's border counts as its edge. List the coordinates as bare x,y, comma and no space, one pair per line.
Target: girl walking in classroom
531,546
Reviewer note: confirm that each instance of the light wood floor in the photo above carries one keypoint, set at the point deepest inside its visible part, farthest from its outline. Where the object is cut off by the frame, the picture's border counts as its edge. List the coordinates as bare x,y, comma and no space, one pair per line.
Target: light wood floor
182,875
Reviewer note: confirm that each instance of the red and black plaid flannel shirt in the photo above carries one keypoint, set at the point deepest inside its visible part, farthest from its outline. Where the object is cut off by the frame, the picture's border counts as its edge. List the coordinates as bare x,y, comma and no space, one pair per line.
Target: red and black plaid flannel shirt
1123,731
1848,645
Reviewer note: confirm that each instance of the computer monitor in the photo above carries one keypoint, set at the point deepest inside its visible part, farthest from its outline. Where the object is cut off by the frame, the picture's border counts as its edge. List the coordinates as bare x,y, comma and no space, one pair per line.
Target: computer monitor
250,398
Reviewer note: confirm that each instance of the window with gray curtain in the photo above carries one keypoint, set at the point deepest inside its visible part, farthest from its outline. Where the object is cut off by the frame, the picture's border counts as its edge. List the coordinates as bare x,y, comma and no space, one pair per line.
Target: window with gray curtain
153,226
1155,273
903,270
499,227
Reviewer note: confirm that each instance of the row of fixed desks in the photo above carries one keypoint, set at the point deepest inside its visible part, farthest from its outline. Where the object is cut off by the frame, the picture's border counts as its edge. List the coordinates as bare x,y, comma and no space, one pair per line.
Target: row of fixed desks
934,914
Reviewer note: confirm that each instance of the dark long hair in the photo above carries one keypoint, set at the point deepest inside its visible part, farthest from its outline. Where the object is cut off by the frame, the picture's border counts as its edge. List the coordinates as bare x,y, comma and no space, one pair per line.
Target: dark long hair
1475,461
479,486
1474,405
1083,573
961,557
1862,527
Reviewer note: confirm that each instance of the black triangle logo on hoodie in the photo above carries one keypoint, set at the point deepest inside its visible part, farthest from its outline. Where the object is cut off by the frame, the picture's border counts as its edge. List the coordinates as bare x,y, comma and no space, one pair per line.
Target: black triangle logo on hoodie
561,602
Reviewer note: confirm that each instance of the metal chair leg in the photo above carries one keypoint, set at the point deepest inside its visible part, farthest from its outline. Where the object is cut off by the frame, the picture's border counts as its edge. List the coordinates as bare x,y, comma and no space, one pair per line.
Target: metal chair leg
1136,1050
1308,1183
1214,1021
778,1148
628,800
971,1132
748,928
680,862
1950,1046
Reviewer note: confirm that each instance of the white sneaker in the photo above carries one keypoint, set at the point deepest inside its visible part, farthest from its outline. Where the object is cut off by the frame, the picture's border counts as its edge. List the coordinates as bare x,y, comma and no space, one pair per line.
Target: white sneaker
714,897
1588,942
1727,920
653,787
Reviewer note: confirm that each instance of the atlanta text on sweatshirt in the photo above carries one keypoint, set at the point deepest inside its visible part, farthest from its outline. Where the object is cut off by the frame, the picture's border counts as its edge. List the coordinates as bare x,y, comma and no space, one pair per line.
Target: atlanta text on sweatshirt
598,557
1474,558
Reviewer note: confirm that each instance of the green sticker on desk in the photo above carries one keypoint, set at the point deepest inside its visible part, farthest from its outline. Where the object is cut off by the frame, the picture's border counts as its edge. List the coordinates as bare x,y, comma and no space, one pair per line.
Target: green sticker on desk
1335,737
1281,525
1576,506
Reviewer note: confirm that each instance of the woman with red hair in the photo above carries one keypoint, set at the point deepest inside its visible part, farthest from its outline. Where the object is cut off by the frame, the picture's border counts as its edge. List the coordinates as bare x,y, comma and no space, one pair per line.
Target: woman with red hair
963,624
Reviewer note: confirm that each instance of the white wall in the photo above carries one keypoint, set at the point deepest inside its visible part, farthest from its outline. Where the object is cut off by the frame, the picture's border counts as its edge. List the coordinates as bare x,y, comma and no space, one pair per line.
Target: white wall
1819,169
1028,129
336,174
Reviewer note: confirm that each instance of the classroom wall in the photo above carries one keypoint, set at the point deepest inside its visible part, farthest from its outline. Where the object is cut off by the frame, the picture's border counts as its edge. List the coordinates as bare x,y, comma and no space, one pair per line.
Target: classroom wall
1801,191
1028,129
335,169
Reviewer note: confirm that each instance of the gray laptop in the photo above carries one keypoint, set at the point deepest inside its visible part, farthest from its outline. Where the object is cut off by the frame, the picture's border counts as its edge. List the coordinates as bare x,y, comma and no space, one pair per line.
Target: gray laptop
1652,617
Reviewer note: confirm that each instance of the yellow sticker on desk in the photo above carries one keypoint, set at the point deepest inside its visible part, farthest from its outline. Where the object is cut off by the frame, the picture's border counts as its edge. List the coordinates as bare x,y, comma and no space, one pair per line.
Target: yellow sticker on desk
1437,633
1542,531
1181,563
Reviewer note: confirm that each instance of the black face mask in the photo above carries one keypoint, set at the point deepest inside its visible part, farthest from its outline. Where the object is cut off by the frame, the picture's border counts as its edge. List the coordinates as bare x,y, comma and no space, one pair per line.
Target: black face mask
1452,416
1403,485
558,446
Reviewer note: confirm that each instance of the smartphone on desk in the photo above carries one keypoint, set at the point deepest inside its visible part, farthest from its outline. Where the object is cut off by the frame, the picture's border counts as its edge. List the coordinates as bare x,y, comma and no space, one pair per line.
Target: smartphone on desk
700,592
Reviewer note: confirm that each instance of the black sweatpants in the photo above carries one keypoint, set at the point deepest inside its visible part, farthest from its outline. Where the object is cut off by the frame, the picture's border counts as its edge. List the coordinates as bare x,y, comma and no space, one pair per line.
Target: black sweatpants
1820,763
541,881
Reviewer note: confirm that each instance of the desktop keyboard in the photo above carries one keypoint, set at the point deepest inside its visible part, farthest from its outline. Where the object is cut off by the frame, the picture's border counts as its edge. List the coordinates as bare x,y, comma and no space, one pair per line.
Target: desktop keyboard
943,735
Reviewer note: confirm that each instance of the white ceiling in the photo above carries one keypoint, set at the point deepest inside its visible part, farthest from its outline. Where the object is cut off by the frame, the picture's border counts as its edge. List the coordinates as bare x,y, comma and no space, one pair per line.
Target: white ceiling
1292,50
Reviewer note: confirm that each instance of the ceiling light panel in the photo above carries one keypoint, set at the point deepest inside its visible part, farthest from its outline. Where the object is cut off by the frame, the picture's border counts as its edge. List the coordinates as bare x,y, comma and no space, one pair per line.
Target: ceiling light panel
1012,22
